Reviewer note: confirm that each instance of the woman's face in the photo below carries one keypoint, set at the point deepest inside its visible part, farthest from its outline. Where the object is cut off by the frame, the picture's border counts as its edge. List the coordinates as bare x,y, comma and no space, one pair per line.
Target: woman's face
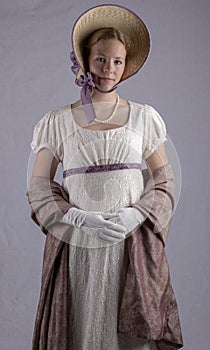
107,63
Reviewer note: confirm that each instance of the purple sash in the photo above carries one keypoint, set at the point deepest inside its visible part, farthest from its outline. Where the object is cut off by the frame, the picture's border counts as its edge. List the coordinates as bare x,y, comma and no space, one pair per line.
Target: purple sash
99,168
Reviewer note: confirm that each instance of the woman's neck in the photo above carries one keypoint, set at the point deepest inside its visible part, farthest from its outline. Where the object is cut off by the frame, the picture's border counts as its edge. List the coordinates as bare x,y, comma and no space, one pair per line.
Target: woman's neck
98,96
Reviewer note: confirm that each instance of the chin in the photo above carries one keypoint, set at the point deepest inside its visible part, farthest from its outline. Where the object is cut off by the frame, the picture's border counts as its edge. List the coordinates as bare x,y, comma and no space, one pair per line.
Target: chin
104,87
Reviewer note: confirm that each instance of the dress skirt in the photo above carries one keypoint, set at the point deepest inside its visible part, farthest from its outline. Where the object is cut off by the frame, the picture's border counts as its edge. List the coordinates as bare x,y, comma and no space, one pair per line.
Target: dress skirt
96,278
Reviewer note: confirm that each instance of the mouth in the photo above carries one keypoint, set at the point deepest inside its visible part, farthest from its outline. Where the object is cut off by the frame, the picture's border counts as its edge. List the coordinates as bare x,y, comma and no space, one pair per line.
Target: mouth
106,79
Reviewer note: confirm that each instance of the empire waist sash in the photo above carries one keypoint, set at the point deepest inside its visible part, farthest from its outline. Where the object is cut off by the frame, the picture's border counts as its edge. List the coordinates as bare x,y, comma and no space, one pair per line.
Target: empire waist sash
100,168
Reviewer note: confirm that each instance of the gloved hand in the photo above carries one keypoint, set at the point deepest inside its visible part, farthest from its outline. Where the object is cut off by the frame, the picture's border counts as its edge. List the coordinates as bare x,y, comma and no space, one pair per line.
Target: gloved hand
130,218
111,231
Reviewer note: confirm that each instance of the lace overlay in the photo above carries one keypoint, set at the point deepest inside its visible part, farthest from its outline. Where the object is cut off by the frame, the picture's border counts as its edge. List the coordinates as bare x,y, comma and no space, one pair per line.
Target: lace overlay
97,272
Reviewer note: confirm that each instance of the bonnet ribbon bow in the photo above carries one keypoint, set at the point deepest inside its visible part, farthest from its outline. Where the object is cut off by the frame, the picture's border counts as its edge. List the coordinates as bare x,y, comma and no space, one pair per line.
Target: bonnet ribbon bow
85,80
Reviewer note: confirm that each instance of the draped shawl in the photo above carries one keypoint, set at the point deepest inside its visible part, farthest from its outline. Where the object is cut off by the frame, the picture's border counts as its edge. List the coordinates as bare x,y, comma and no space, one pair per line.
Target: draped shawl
148,308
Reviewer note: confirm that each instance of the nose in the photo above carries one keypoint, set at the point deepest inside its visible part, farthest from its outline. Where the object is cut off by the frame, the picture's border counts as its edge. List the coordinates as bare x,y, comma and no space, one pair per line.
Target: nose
108,67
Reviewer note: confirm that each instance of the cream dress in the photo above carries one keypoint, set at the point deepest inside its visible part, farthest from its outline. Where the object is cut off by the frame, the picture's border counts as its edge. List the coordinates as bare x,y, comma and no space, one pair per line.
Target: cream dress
97,268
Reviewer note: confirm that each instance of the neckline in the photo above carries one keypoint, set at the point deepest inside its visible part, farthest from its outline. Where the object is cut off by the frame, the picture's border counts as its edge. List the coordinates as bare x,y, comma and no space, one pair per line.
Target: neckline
102,130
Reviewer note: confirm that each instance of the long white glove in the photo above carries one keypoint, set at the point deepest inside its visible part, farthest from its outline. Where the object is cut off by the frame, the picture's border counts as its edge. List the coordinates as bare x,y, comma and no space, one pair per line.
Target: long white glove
111,231
130,218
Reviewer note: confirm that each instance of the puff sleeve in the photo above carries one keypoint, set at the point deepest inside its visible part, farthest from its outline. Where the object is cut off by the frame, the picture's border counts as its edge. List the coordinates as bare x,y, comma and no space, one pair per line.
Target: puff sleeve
154,131
47,134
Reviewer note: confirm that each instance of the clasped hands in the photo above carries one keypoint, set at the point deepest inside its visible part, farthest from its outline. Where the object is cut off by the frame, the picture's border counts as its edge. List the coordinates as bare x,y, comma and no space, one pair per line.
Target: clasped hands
112,227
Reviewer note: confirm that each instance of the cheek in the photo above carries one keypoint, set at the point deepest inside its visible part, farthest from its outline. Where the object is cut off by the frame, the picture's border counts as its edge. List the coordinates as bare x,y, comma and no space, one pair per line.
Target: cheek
93,66
121,69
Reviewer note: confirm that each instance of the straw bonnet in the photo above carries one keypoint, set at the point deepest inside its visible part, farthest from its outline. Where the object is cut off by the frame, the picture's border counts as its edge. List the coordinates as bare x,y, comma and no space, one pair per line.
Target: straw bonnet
134,30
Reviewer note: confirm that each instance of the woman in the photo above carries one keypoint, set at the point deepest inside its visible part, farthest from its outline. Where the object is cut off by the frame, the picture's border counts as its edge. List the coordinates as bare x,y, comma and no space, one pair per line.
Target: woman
104,220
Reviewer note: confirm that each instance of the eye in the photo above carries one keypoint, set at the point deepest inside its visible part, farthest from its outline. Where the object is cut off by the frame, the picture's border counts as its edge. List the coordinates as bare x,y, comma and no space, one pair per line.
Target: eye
100,59
118,62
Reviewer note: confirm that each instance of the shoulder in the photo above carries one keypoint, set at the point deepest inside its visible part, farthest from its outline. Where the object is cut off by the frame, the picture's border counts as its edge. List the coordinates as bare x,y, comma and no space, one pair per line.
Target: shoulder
60,111
54,116
151,119
136,112
153,116
136,105
148,110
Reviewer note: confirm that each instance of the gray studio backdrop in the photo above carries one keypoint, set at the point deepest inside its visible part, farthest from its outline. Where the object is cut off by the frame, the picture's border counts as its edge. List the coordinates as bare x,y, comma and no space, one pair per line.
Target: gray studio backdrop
36,77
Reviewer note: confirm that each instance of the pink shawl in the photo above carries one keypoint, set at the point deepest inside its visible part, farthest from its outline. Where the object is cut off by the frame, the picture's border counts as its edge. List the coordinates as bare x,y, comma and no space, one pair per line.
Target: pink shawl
148,306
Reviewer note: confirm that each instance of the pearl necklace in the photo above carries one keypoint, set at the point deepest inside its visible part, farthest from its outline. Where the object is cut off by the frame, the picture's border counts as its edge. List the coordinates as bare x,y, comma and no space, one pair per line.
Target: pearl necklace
113,113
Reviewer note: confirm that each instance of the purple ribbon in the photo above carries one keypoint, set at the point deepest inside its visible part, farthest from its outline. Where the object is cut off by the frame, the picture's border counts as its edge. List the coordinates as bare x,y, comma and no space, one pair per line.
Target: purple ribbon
101,168
76,66
86,82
